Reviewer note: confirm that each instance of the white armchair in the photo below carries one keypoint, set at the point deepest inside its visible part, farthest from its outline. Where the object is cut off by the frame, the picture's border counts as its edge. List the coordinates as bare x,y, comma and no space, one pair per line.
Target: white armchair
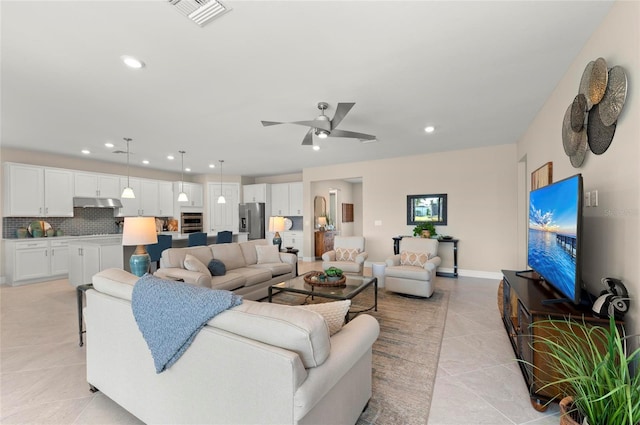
348,254
413,270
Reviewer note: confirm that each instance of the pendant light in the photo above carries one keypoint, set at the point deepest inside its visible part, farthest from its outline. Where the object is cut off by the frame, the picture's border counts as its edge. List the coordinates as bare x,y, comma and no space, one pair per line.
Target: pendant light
221,199
182,197
127,192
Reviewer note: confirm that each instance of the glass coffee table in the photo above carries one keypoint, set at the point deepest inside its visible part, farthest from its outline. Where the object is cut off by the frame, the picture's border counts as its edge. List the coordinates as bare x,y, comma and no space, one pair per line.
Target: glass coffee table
354,286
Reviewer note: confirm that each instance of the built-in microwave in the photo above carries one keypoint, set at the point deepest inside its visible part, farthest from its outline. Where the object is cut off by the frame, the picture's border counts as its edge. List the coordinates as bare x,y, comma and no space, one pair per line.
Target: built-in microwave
191,222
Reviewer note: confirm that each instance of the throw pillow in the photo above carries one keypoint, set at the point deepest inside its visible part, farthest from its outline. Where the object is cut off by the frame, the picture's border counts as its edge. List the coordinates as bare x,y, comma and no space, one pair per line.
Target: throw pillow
347,254
268,254
193,264
332,312
408,258
217,268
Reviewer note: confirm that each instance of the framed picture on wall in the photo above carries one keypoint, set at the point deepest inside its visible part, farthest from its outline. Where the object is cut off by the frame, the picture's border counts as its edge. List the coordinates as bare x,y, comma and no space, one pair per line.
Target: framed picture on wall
427,208
542,176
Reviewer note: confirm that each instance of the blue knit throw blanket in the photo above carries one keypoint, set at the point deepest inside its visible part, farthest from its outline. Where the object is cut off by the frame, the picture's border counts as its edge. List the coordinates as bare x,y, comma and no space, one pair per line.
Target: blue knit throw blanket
170,314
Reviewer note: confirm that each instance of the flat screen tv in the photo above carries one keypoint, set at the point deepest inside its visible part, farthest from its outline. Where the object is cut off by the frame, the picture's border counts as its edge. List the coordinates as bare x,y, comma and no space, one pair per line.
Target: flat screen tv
553,247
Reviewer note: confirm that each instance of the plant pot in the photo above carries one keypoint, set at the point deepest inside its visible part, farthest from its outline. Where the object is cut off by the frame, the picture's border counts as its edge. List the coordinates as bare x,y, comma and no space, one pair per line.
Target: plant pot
333,278
426,234
568,414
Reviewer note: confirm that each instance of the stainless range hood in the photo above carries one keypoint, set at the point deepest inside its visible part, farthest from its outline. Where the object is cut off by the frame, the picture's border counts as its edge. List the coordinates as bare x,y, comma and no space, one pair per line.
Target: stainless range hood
97,203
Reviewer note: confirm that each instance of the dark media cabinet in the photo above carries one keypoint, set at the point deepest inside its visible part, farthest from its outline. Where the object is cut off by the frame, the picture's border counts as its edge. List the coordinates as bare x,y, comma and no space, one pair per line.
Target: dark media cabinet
522,305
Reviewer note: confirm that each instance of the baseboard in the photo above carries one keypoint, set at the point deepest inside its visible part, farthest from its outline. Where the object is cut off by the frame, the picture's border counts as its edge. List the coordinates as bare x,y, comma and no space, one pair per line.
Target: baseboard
479,274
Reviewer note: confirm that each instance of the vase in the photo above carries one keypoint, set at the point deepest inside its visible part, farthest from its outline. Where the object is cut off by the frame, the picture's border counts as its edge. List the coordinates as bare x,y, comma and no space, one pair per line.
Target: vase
569,415
426,234
21,232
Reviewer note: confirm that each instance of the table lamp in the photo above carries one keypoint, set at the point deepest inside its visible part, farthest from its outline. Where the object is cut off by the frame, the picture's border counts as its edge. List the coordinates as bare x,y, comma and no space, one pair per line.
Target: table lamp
139,231
276,224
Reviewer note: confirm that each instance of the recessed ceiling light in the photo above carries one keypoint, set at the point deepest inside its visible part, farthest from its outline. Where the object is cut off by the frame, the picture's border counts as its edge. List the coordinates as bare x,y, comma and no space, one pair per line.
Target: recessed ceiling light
132,62
316,147
212,165
86,151
145,161
429,129
109,145
187,169
170,157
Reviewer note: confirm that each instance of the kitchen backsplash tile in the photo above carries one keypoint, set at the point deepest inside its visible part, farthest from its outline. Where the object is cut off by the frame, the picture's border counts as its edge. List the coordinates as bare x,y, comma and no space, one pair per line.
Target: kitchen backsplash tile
86,221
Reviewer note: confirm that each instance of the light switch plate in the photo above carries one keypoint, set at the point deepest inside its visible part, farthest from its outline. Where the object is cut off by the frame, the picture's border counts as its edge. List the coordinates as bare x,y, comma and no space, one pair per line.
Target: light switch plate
594,198
587,199
377,223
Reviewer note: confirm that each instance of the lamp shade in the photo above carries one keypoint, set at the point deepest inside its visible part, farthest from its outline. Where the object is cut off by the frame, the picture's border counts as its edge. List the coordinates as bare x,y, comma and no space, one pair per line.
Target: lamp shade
139,231
322,221
276,224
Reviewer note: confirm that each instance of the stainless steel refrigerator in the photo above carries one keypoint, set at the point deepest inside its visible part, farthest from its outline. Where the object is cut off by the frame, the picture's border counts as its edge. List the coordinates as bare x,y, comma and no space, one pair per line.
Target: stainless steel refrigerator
252,219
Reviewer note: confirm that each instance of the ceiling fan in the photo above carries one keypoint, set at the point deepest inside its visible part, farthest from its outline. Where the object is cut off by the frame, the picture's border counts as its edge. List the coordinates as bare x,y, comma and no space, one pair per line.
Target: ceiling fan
324,127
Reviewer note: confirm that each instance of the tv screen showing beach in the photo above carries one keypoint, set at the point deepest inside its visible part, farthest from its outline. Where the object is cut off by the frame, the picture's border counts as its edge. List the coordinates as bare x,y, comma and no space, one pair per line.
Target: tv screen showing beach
554,216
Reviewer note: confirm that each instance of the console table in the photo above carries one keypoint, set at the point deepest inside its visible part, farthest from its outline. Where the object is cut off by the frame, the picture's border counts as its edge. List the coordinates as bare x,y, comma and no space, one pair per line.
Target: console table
396,251
522,306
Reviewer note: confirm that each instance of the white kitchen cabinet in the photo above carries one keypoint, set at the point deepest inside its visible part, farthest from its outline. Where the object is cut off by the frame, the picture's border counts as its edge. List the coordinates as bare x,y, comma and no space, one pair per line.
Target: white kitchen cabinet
88,257
294,239
146,201
165,199
256,193
32,191
91,185
286,199
35,260
59,257
223,216
295,198
280,199
194,191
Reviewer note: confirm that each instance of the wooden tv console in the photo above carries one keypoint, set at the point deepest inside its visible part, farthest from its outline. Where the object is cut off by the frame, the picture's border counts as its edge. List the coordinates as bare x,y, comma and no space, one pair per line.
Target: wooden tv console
522,306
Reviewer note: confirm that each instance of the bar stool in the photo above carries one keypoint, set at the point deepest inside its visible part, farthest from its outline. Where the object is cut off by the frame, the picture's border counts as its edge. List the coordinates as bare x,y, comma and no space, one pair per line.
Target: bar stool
155,250
224,236
197,238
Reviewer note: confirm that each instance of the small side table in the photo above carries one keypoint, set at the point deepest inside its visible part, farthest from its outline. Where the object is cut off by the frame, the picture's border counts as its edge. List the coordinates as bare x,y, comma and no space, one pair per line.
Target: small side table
292,251
377,270
80,290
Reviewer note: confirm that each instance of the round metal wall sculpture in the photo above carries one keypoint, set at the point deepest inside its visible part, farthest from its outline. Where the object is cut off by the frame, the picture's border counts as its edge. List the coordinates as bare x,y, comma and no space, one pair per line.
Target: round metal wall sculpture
613,100
599,135
591,118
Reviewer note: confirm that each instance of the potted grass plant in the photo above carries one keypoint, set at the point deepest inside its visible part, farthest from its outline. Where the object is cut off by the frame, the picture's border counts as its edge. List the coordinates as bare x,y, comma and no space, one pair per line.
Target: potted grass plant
595,369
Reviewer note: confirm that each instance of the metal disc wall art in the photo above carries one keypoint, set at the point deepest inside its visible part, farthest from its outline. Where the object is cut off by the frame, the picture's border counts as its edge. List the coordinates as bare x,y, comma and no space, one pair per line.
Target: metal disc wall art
591,119
584,83
578,112
581,151
570,139
599,135
615,96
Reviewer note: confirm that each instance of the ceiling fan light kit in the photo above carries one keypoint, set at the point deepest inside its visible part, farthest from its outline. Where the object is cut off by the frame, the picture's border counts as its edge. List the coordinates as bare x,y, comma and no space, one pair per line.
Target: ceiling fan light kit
324,127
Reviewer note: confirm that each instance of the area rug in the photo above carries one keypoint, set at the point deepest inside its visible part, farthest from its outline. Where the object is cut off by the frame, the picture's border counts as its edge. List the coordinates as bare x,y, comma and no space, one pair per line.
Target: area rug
405,356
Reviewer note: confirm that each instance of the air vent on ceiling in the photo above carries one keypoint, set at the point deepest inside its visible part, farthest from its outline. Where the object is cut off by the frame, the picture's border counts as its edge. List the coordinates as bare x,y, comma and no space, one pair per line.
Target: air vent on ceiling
200,11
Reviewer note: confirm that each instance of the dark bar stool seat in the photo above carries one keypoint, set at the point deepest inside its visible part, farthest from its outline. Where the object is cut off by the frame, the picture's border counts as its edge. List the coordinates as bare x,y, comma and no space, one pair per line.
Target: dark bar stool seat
225,236
155,250
197,238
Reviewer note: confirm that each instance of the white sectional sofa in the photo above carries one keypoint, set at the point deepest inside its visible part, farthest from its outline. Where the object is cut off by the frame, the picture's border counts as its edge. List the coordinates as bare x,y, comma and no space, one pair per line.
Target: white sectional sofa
258,363
245,275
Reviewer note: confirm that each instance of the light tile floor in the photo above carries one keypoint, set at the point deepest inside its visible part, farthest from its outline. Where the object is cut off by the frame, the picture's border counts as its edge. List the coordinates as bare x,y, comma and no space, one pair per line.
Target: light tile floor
43,381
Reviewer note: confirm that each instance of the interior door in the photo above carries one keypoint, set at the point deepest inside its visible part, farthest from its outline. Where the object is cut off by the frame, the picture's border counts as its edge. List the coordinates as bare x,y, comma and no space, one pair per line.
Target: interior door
223,216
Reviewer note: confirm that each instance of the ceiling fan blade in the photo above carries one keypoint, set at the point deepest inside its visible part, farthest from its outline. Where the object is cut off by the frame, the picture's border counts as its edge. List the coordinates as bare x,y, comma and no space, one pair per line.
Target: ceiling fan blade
341,111
321,124
268,123
308,138
351,134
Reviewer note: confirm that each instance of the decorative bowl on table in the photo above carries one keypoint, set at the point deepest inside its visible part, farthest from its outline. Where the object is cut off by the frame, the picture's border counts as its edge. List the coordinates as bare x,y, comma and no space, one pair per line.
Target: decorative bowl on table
321,279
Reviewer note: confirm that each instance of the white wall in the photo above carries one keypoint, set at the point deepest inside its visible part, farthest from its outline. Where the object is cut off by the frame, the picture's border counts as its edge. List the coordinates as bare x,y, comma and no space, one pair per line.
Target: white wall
481,187
611,231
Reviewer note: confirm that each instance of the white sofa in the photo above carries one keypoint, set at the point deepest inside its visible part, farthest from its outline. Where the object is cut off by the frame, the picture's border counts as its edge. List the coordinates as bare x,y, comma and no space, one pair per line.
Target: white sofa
244,274
257,363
